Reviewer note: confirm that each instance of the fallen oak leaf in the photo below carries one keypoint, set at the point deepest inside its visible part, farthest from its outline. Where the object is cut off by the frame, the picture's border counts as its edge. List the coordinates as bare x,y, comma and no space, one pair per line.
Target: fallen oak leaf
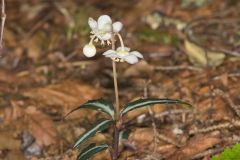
12,113
8,141
41,127
67,95
197,145
202,57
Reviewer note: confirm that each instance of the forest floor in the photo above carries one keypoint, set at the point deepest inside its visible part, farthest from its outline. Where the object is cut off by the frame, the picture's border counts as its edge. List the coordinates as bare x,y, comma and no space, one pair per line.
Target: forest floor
191,52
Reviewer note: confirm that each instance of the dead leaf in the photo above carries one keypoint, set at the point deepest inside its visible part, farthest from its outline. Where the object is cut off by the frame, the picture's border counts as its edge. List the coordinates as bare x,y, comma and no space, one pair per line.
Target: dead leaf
219,111
142,137
15,155
157,108
67,94
8,141
197,55
41,126
12,113
224,79
33,48
140,69
102,155
197,145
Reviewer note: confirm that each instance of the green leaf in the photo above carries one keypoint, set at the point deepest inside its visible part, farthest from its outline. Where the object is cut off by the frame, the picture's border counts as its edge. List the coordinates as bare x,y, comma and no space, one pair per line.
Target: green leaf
123,135
229,153
100,105
90,150
145,102
97,127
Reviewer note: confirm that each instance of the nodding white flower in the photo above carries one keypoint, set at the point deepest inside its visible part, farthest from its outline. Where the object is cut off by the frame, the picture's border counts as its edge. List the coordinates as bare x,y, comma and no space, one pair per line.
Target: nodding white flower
89,50
123,54
103,28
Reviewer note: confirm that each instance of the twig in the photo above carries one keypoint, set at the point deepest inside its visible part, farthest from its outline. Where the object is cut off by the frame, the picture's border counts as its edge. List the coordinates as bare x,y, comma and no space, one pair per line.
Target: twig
228,75
211,128
175,111
180,67
3,18
207,153
150,111
233,123
60,65
168,140
229,101
231,53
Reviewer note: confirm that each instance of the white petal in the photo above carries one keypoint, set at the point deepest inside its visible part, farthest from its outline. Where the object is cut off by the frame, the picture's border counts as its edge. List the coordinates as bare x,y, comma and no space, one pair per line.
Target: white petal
109,52
125,48
106,36
137,54
131,59
117,26
92,23
112,56
103,21
118,49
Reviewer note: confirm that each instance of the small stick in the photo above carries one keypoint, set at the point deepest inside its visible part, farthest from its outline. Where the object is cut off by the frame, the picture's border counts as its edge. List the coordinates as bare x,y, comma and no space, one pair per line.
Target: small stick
228,75
211,128
3,18
207,153
233,123
180,67
150,111
229,101
175,111
168,140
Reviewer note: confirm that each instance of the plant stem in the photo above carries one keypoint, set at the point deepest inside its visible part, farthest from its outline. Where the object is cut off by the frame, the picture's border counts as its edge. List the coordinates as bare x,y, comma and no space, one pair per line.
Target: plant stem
115,81
115,89
3,18
115,142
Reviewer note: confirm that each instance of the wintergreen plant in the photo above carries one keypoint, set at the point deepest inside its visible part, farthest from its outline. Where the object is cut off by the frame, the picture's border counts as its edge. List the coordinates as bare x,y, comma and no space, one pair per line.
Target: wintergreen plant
106,32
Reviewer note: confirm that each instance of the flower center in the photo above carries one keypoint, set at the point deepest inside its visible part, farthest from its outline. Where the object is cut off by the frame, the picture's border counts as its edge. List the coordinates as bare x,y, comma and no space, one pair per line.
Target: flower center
123,52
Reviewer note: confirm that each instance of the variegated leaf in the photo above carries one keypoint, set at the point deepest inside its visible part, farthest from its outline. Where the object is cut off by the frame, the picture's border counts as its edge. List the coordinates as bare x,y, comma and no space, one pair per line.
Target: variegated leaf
91,150
146,102
98,127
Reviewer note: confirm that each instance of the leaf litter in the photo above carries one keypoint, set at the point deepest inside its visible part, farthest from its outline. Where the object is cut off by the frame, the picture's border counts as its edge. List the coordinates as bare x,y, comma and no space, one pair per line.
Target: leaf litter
46,76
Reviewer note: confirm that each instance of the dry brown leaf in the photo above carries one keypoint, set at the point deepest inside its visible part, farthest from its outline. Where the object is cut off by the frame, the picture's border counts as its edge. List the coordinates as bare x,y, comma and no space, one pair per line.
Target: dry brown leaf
6,76
142,137
157,108
68,94
224,79
197,55
102,155
15,155
196,145
218,112
41,126
12,112
8,141
140,69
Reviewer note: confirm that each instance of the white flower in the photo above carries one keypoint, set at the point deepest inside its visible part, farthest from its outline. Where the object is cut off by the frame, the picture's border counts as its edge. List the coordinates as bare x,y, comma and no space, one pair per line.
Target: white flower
89,50
123,54
103,27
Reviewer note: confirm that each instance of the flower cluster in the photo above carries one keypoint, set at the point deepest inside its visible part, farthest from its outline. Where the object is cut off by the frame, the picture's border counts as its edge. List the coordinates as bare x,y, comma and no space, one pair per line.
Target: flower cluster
103,30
